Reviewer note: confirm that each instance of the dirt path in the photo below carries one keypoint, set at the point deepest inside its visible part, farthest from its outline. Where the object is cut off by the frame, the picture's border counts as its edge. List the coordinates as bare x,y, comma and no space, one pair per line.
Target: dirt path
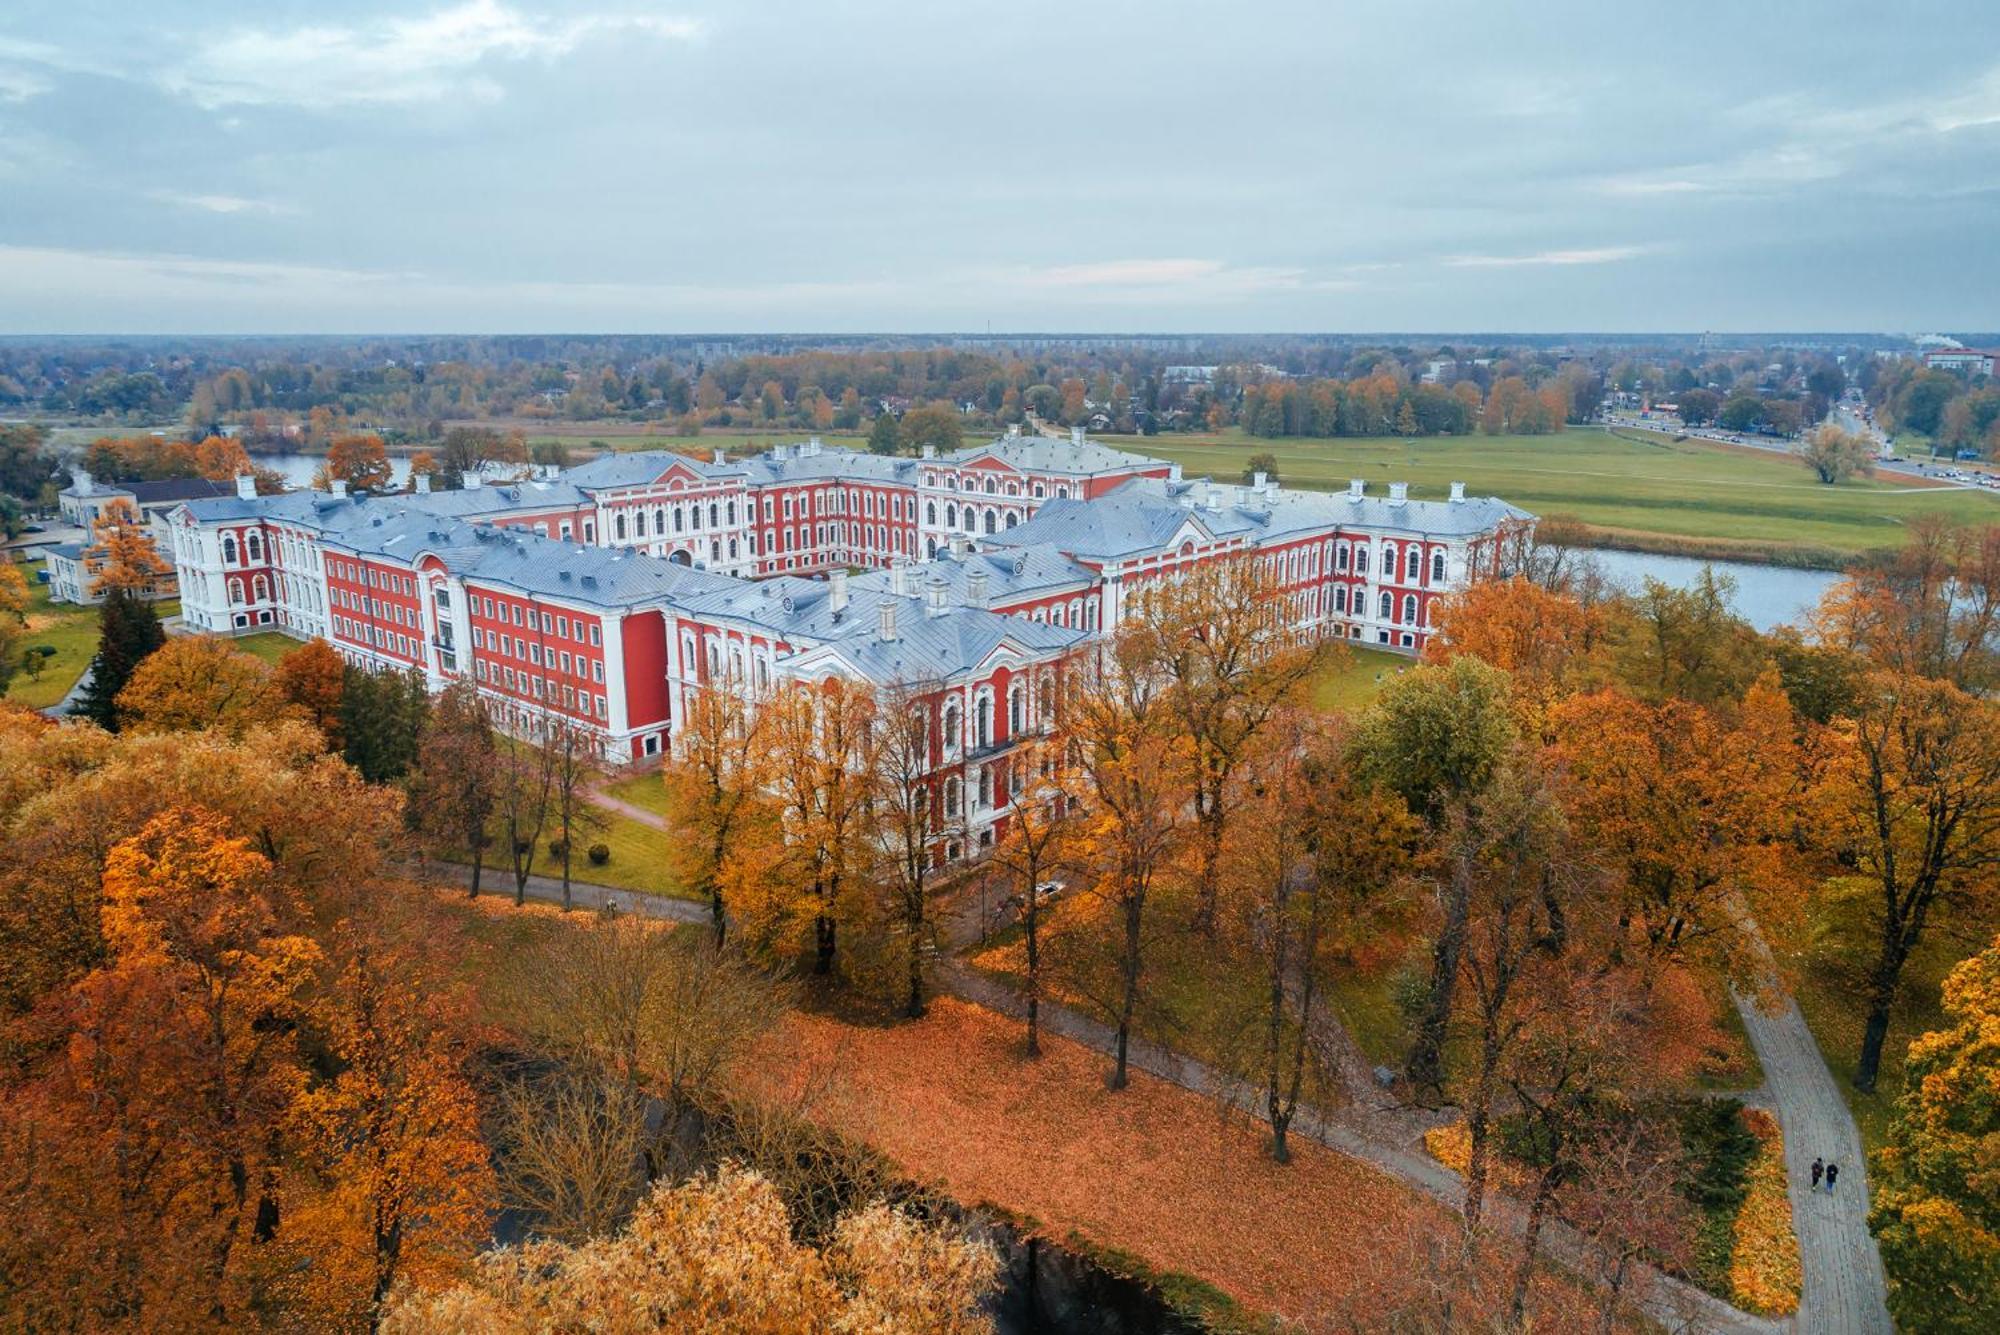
1843,1286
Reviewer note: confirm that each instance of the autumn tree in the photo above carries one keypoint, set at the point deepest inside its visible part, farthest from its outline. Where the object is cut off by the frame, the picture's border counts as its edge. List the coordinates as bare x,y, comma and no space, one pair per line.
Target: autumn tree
1315,864
1547,642
1216,636
713,776
1936,1204
652,1010
221,459
719,1253
1930,610
361,461
1137,772
934,425
1915,809
1668,642
884,437
391,1138
808,869
128,631
905,824
574,1144
312,678
146,1141
122,551
453,788
1689,812
1436,737
571,759
524,776
1041,836
1835,455
197,681
13,620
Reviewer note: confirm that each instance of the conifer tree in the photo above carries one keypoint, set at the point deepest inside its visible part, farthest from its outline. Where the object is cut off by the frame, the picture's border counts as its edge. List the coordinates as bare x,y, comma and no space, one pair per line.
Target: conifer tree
129,630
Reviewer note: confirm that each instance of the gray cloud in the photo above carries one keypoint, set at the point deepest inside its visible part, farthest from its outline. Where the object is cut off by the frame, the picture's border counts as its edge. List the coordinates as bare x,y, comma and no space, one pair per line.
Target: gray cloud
525,164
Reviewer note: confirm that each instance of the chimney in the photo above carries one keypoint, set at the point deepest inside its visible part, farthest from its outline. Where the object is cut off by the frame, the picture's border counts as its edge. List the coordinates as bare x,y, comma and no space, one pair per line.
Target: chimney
1173,472
930,451
80,481
1257,480
720,456
1457,492
423,484
886,631
836,592
961,546
1270,492
1356,489
975,586
1215,498
934,591
899,575
1399,492
339,486
470,481
246,486
781,453
1013,430
1076,435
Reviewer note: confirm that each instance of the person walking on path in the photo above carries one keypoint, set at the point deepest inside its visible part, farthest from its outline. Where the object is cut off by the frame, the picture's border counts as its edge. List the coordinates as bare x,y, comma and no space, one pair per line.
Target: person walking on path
1817,1169
1832,1171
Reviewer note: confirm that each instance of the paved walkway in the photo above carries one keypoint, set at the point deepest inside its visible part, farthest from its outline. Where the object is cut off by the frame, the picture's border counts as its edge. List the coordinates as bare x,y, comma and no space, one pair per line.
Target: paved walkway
1843,1289
627,809
1675,1305
499,883
60,709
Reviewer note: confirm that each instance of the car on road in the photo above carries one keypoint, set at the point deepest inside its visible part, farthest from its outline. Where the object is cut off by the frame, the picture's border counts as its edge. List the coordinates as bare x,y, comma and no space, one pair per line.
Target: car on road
1046,893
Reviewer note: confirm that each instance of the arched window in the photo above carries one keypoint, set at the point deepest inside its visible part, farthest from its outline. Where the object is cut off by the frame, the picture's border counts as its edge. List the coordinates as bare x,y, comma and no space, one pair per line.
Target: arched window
618,526
1410,609
1360,560
228,550
951,797
1414,566
992,526
254,544
983,720
1340,597
985,786
930,512
260,589
1437,567
952,731
1388,606
950,515
712,512
235,590
1340,557
1015,705
1013,519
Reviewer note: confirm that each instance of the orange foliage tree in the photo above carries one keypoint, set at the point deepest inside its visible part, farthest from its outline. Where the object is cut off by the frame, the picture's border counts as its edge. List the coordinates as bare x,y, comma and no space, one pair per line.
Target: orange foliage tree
713,776
313,679
124,552
195,682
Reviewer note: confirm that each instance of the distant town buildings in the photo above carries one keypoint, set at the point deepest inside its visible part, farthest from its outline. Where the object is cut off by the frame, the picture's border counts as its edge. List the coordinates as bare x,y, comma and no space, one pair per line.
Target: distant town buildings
1970,361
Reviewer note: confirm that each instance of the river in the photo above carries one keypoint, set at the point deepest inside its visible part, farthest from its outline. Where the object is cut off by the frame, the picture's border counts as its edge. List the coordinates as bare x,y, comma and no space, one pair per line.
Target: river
1766,596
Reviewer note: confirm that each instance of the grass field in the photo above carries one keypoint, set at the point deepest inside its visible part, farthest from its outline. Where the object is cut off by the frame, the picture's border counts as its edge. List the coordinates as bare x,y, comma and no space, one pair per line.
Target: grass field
1354,677
641,790
71,631
268,645
1696,496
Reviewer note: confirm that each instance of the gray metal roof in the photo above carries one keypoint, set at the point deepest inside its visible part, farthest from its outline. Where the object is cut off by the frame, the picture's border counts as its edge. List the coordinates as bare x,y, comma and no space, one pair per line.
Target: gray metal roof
1047,454
1013,574
1144,515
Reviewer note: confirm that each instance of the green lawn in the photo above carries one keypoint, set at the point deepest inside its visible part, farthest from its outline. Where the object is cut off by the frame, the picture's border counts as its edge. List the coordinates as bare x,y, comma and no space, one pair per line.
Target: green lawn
1703,497
1352,680
641,790
268,645
70,630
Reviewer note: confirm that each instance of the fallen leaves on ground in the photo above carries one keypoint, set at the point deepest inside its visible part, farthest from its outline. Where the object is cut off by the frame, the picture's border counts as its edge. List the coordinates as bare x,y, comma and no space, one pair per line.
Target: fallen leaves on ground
1764,1265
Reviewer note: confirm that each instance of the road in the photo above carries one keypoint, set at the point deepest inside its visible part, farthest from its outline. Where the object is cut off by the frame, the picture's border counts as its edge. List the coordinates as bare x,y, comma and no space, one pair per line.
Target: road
1938,473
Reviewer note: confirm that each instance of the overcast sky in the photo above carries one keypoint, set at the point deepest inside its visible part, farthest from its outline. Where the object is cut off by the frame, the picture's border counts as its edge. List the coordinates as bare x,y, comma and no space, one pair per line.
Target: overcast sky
852,165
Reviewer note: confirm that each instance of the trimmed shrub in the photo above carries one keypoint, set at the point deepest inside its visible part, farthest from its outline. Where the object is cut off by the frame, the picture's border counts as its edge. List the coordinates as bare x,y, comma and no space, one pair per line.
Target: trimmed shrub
599,854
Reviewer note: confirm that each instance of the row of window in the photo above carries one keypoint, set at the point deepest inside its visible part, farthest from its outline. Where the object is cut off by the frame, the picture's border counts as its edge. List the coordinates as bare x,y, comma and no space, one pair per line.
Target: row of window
531,651
542,688
379,636
557,624
992,486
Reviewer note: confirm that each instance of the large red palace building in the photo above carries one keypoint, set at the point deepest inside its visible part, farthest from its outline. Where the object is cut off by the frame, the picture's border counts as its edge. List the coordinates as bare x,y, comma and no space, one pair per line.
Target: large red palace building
607,593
